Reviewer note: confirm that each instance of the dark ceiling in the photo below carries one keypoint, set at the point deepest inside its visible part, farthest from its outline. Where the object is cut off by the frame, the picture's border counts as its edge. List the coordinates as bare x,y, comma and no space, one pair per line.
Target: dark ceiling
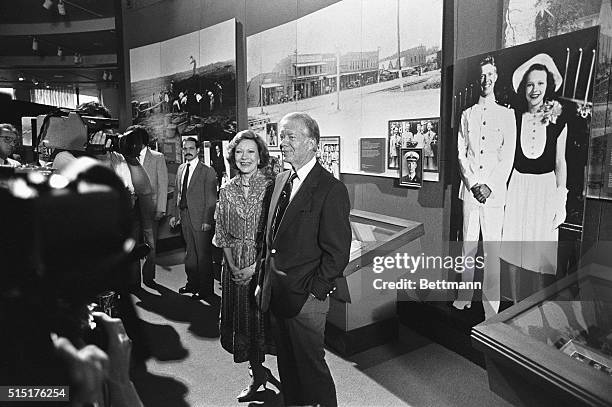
32,11
43,67
85,43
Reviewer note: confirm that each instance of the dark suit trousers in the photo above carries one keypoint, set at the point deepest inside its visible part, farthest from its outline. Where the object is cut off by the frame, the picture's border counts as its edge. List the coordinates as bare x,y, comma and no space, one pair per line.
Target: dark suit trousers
304,374
198,256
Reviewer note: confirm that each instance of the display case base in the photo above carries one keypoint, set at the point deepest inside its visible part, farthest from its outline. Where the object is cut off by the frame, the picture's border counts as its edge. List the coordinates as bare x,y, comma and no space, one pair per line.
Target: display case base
347,343
443,324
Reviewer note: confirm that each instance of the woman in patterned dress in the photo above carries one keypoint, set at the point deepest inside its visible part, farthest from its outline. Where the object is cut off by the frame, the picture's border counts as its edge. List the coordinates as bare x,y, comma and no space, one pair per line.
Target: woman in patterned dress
240,221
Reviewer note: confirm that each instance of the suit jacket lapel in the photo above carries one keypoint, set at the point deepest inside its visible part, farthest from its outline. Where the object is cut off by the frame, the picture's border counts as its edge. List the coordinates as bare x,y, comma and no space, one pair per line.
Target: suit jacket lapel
278,188
179,182
301,199
148,162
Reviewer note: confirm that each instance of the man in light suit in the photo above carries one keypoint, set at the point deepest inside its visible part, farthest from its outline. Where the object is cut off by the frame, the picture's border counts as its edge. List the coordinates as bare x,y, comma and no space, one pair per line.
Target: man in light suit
308,239
154,164
195,207
485,144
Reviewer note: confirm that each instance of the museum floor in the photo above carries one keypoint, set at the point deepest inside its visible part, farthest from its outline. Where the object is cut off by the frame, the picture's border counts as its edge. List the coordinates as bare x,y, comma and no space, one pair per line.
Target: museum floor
189,367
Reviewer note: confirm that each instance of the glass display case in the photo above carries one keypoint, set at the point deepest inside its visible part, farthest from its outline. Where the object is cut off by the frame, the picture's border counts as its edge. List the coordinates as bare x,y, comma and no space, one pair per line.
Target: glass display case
555,347
361,316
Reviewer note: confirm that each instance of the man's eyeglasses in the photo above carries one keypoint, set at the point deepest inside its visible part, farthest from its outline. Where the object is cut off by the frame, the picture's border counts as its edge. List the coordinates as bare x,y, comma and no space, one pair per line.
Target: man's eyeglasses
9,139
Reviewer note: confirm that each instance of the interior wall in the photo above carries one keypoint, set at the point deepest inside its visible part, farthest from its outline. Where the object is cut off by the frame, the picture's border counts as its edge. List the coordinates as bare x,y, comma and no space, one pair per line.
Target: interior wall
475,24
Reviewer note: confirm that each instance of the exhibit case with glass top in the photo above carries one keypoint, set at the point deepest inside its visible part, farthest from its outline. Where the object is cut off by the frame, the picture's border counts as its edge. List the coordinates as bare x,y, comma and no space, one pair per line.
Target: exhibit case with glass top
361,316
555,347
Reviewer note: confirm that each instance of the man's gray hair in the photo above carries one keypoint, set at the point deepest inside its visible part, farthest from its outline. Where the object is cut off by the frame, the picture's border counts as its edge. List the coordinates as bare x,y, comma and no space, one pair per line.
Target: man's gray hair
309,123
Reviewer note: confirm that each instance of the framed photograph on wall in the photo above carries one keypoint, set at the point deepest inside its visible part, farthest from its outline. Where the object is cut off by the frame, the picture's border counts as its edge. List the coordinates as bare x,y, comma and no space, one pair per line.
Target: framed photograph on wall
416,133
329,154
272,134
411,167
276,161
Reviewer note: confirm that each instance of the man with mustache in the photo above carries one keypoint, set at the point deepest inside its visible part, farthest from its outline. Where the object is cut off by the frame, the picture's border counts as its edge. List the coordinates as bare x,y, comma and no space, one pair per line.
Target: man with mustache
196,185
486,141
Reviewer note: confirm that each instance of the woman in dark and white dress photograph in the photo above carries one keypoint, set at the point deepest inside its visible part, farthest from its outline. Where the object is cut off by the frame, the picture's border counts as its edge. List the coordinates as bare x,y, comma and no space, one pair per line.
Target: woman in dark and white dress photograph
537,193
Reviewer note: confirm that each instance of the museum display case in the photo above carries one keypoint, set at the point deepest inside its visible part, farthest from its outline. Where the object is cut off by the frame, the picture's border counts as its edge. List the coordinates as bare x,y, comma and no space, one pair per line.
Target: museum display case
360,316
555,347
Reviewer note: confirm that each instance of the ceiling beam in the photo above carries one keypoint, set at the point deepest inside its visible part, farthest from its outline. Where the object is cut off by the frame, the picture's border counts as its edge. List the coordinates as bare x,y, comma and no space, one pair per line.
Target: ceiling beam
65,62
67,27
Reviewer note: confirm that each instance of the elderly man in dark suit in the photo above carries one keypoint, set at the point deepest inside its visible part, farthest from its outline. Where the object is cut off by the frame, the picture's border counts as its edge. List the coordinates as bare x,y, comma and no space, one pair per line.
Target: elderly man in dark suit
196,199
308,241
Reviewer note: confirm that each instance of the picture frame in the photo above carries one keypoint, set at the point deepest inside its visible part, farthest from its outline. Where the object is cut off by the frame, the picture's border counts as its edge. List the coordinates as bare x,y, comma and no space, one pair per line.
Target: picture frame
276,161
272,134
423,133
328,154
409,176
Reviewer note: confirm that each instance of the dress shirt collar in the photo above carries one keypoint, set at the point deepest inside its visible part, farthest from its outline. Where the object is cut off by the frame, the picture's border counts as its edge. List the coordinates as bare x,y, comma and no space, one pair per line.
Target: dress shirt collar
487,101
303,172
192,163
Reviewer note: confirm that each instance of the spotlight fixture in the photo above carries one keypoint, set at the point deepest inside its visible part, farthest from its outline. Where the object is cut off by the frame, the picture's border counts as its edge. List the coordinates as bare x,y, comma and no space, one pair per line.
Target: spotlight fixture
34,44
21,78
60,51
77,58
105,76
61,8
110,76
34,81
48,4
47,86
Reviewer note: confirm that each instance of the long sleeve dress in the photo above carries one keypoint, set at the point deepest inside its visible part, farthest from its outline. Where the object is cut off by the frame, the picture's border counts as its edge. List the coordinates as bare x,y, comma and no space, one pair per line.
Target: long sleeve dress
240,222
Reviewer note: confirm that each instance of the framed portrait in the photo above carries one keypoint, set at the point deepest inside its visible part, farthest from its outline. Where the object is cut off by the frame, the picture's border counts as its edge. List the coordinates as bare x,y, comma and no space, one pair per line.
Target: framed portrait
276,161
329,154
411,167
420,133
272,134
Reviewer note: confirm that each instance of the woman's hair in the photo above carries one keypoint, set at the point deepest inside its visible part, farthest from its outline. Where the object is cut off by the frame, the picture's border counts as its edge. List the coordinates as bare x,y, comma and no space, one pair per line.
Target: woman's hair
550,86
264,155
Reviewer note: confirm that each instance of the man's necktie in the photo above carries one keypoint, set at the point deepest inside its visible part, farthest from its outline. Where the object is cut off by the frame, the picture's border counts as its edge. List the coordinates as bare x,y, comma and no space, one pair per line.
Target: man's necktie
283,202
183,202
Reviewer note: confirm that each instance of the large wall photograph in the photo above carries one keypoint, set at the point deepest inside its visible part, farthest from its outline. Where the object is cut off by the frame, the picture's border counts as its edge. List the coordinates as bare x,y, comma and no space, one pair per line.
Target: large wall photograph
187,85
543,92
382,63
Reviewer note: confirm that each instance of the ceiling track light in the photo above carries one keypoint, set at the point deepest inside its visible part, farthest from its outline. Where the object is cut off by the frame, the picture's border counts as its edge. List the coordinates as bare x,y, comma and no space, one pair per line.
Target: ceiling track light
34,44
21,78
60,52
48,4
105,76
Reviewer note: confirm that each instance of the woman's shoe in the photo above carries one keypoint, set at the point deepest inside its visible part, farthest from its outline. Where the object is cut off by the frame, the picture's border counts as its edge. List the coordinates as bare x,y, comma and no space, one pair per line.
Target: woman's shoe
260,378
462,304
